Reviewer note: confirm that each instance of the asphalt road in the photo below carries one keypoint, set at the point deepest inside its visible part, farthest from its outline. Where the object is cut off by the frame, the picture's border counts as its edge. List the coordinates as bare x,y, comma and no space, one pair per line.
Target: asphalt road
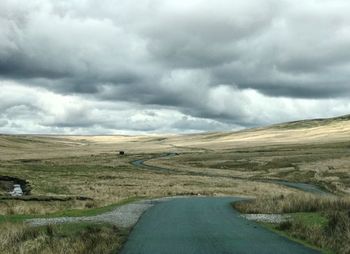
306,187
203,225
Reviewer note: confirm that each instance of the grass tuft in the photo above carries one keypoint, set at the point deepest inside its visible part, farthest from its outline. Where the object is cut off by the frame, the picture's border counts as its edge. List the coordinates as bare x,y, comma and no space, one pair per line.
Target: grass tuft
320,221
293,203
58,239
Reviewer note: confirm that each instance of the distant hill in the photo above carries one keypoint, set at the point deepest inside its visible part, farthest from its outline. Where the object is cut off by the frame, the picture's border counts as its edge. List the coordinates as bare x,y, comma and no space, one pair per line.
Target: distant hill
312,131
312,122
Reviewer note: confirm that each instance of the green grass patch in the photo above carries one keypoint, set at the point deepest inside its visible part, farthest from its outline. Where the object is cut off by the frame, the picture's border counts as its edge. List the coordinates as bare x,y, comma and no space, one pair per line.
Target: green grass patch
15,218
311,219
275,228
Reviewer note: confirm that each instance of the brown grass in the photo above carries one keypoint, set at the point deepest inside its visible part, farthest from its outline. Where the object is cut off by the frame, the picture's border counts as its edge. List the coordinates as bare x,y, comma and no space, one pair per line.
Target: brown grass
326,165
333,235
109,178
293,203
212,164
19,238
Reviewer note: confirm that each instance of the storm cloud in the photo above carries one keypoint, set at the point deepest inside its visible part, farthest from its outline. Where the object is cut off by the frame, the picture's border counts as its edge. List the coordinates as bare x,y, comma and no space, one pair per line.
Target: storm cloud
104,67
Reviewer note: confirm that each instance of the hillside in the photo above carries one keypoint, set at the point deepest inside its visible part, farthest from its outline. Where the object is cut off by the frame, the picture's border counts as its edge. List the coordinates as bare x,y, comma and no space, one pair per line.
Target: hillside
299,132
312,122
315,131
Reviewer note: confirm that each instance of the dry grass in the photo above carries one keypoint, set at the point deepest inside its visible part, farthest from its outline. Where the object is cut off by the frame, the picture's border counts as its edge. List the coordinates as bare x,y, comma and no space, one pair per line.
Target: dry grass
108,178
97,171
323,164
79,238
293,203
13,207
332,234
212,164
302,132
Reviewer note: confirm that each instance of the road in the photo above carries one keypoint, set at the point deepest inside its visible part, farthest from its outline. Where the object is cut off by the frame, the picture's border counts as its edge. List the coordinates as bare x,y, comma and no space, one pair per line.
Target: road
306,187
202,226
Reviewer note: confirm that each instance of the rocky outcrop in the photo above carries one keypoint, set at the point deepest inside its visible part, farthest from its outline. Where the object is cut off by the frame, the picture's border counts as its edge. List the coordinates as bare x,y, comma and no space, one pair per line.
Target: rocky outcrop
7,183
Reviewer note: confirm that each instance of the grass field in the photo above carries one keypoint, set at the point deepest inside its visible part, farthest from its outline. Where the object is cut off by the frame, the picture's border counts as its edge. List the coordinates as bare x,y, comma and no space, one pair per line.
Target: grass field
64,168
66,239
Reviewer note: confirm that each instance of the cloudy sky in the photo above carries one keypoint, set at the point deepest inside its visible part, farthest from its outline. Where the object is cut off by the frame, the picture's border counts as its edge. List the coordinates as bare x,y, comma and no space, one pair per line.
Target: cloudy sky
160,66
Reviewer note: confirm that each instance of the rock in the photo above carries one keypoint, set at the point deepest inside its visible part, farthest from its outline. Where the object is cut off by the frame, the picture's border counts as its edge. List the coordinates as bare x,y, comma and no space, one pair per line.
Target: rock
17,191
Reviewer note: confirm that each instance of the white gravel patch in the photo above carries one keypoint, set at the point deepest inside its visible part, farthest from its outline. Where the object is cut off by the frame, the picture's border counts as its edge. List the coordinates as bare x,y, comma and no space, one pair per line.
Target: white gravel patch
124,216
270,218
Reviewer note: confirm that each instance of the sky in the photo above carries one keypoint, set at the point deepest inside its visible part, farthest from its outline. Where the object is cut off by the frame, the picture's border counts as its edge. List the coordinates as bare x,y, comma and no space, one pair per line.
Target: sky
166,66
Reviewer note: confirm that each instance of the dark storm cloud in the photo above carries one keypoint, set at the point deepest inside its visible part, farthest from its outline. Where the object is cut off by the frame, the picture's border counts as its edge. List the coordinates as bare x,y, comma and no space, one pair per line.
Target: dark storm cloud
218,62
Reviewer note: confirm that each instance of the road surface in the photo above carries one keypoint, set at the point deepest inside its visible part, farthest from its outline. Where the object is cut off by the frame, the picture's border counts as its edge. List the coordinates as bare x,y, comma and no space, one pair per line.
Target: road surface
202,226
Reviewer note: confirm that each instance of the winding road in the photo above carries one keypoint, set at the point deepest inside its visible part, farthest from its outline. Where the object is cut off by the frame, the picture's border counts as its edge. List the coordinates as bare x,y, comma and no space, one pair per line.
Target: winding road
203,225
206,225
306,187
190,225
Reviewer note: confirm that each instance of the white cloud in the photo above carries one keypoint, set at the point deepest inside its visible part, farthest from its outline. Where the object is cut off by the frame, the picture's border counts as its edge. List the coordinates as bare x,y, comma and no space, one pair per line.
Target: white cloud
37,110
116,66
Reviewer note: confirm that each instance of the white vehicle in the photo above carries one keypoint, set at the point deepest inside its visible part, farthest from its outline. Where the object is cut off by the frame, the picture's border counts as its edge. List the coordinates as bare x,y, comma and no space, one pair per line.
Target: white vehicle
17,190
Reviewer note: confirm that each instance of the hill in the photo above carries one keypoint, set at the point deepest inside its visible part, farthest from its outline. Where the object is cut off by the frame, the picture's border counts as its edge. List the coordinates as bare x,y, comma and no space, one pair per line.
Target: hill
313,131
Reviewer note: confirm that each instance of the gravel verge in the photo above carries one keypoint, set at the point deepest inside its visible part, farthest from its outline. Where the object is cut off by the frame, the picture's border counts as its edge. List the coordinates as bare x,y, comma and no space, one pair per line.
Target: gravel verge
269,218
124,216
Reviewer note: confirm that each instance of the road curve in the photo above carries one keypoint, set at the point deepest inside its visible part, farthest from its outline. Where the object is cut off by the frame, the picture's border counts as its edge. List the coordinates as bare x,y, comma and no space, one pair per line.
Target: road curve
203,225
306,187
